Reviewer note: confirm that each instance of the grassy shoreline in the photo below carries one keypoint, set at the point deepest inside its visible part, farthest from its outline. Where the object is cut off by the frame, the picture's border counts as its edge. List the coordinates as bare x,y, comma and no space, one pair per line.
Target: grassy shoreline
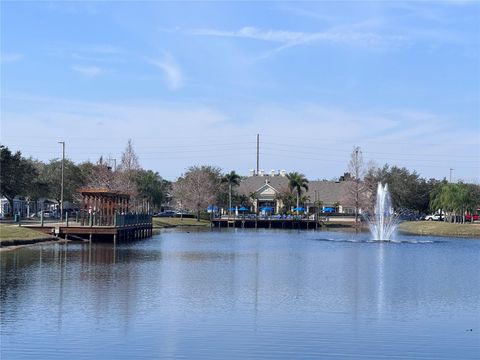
437,228
162,223
14,235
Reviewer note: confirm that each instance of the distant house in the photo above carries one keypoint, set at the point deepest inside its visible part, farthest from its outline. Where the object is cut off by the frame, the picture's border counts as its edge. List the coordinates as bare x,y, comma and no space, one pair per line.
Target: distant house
27,208
265,188
19,206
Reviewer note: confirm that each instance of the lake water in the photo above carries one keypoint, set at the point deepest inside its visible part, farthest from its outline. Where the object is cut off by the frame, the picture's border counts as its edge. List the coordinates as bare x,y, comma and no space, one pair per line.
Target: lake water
243,294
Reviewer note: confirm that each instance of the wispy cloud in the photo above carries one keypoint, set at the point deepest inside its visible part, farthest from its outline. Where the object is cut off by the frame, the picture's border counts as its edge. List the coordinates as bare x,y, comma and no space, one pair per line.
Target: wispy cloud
398,136
294,38
89,71
101,49
173,73
461,2
10,58
89,52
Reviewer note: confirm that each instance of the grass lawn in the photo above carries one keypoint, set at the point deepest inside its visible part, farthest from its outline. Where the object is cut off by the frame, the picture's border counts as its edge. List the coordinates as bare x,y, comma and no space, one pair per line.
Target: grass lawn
440,228
174,222
13,234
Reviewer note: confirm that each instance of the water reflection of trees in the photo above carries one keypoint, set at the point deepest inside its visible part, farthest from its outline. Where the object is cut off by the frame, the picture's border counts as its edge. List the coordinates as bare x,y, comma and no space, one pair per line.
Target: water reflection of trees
107,283
94,275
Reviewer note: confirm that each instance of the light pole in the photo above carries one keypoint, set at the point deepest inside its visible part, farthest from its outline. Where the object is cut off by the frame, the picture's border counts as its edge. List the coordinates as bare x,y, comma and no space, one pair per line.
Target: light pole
61,193
451,174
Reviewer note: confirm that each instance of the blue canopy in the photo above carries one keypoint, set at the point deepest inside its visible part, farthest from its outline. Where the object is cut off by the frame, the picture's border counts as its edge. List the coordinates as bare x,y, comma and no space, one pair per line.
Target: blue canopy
231,209
243,208
299,208
266,208
212,208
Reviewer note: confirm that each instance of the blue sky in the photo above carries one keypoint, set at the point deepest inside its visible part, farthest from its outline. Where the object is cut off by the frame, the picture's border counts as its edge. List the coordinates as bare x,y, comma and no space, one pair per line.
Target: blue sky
193,83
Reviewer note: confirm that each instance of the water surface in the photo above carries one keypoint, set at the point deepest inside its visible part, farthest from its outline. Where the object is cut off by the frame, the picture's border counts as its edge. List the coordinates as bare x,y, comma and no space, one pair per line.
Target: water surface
243,294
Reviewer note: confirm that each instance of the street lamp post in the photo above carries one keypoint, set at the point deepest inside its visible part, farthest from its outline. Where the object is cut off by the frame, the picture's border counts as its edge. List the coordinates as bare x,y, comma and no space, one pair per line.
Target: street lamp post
61,193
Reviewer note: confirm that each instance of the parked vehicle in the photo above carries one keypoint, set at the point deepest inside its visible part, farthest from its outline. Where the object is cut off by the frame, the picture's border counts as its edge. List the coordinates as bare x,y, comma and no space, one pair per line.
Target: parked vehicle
434,217
184,214
469,217
167,213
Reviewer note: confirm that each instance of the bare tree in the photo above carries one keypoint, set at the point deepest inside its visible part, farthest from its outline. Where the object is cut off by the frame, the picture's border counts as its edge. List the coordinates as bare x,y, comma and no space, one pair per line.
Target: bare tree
197,188
354,192
129,160
97,175
124,179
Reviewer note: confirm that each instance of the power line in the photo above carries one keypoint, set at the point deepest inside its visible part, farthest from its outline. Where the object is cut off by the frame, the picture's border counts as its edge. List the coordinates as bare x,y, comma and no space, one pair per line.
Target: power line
347,155
344,162
329,140
363,151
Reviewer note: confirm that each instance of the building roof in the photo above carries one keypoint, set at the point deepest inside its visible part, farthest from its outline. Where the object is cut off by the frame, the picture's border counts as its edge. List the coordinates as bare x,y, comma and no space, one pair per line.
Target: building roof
329,192
102,192
253,183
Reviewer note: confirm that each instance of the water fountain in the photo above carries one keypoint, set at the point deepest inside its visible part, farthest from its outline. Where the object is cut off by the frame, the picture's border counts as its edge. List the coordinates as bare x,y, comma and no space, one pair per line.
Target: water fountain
384,222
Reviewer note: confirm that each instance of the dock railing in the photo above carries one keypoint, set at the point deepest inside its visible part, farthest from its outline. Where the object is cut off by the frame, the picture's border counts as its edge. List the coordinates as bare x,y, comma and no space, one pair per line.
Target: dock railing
117,220
125,220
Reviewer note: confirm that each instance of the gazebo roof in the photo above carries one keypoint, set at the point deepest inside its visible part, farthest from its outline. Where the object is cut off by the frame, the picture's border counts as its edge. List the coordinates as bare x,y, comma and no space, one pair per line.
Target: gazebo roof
103,192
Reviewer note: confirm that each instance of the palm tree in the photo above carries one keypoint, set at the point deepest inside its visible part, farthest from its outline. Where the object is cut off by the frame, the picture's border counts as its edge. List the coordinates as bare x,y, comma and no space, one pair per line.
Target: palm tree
297,181
253,197
232,179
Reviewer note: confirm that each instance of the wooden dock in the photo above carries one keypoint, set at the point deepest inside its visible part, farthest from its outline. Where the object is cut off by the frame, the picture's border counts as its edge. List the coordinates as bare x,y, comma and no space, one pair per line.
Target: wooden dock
266,223
119,228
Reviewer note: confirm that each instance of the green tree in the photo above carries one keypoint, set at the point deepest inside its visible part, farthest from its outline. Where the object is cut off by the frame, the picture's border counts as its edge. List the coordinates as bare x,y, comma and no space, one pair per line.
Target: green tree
38,189
73,179
297,182
456,199
151,187
407,189
253,197
17,175
288,199
240,200
435,202
473,203
232,179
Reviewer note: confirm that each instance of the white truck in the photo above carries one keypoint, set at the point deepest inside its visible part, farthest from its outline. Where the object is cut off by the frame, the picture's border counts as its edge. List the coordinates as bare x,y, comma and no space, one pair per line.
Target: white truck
434,217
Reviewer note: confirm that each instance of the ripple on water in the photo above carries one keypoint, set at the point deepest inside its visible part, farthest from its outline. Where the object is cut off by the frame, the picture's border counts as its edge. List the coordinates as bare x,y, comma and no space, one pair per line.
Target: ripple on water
242,295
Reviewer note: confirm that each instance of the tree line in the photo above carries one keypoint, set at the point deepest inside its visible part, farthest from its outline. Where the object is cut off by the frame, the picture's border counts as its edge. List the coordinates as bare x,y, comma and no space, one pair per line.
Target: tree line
32,180
201,186
411,194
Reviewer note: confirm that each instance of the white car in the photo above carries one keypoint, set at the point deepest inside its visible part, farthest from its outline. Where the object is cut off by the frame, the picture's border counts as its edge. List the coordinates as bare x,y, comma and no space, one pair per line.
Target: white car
434,217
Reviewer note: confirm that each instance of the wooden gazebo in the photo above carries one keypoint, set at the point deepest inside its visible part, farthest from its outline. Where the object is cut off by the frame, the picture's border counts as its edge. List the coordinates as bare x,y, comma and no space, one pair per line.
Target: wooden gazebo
101,205
104,216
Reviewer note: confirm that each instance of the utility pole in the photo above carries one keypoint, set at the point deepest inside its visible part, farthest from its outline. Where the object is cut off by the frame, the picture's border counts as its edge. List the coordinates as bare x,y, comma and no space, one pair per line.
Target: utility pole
63,165
356,185
451,174
114,163
258,153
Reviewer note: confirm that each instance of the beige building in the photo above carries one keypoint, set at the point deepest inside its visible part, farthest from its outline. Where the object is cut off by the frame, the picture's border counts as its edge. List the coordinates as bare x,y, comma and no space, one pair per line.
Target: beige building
265,188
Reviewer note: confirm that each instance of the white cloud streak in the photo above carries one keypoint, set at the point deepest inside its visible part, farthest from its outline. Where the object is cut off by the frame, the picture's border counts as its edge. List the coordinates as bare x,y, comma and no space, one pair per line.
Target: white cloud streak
199,134
173,73
89,71
294,38
10,58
